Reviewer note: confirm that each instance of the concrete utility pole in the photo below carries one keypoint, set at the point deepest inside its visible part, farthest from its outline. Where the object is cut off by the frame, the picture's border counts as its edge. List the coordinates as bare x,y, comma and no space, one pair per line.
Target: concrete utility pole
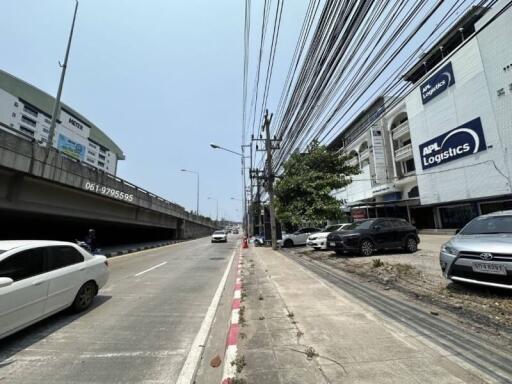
256,174
56,108
270,174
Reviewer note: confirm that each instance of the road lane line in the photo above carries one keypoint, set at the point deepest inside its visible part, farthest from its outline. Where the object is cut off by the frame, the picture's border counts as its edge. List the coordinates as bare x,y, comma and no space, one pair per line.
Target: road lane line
150,269
189,368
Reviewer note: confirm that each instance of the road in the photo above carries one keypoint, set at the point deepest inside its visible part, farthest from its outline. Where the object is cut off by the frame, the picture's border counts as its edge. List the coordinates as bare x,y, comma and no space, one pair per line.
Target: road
140,328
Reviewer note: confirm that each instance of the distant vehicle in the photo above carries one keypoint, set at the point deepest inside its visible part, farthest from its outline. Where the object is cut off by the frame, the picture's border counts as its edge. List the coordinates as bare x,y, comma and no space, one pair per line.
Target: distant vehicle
235,231
367,236
318,241
220,237
39,278
299,237
481,253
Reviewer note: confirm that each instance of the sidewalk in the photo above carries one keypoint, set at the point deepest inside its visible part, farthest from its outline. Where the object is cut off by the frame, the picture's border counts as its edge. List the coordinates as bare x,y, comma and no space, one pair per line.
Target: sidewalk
299,329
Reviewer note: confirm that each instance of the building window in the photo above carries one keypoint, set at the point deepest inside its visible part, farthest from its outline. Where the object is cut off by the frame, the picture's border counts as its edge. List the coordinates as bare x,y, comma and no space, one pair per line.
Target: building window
47,121
91,152
456,216
92,145
101,157
31,111
16,104
90,160
28,121
46,130
101,164
14,114
408,166
26,130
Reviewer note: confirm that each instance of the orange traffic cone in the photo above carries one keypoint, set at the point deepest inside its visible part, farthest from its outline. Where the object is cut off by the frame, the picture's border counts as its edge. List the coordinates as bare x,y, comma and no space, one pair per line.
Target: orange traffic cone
245,244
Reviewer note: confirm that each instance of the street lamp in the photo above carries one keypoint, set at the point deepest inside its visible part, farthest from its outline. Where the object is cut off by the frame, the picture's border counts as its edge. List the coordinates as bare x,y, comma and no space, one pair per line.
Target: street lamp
197,174
243,157
217,200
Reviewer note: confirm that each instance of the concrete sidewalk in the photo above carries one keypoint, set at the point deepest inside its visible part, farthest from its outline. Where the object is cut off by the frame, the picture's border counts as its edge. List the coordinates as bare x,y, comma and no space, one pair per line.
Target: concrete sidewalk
297,328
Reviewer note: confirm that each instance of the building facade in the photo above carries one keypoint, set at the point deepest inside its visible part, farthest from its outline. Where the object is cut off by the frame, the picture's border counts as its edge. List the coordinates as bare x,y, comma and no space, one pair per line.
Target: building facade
443,152
26,111
460,118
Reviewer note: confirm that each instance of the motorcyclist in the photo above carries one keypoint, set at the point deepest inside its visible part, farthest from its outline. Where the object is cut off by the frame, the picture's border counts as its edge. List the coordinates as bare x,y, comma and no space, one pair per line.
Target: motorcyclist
90,240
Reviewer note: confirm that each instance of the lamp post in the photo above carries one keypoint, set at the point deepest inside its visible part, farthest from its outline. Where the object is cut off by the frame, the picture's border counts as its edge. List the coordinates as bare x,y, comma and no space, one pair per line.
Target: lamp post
56,106
217,200
197,174
242,156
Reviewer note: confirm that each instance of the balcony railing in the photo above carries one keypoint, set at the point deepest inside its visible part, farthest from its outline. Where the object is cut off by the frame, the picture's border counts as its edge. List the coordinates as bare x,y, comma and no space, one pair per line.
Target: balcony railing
400,130
403,153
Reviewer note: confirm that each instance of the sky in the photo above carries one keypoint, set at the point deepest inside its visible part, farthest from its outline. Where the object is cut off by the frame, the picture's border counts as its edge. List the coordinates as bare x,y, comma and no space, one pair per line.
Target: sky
163,78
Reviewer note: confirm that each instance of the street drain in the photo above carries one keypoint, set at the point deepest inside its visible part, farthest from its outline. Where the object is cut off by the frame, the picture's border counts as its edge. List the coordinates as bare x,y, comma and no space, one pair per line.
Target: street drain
217,258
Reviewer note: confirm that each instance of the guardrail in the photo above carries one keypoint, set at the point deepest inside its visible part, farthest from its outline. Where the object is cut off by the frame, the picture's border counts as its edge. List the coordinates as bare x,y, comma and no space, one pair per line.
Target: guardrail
25,155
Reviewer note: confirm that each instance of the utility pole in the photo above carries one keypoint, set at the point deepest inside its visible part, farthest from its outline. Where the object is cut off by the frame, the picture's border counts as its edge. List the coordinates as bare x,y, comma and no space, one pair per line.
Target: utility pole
269,147
256,174
56,107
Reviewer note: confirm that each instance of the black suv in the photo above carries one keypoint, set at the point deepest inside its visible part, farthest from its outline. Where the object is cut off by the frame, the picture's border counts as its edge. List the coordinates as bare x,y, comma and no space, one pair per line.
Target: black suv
367,236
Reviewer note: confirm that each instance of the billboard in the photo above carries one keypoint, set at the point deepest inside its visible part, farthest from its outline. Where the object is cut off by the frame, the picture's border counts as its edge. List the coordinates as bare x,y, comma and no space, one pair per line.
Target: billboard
462,141
70,147
437,83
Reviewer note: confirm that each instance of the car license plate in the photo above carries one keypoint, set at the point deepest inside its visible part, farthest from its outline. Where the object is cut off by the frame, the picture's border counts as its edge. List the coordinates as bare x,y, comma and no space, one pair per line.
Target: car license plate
495,269
332,244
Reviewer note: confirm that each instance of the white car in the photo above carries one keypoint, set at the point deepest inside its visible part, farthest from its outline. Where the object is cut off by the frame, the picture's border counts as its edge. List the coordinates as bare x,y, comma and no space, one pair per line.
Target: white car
39,278
299,237
220,236
318,241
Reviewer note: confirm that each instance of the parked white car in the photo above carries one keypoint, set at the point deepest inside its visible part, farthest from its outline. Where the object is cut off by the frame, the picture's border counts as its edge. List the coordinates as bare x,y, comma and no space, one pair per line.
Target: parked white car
318,241
39,278
220,236
297,238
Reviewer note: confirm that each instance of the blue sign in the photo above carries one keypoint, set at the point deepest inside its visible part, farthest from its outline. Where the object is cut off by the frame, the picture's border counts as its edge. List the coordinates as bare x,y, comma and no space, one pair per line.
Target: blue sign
71,148
459,142
438,83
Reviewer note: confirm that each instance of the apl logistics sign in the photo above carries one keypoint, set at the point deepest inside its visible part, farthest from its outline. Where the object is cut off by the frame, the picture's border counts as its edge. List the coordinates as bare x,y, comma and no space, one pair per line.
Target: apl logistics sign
438,83
459,142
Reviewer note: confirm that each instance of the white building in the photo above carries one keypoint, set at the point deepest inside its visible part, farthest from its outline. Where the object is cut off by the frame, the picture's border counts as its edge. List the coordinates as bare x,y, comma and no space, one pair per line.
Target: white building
443,152
26,110
460,118
379,143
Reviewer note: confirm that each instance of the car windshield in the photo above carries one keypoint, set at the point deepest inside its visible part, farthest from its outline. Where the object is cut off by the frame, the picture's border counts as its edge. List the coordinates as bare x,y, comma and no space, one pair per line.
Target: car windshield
488,225
363,224
218,232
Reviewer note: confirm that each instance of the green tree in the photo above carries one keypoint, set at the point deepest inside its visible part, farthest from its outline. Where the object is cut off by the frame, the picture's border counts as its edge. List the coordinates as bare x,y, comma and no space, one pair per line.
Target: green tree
303,193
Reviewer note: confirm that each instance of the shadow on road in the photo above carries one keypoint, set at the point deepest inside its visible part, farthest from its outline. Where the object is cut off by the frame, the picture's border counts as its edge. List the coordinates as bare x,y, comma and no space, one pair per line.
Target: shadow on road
26,337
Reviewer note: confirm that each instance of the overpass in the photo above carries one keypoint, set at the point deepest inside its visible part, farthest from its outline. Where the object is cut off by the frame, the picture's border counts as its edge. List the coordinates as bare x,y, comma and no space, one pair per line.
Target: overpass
61,198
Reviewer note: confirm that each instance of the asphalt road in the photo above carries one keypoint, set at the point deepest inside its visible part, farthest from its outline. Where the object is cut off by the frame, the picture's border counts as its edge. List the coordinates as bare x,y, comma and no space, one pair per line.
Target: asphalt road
139,330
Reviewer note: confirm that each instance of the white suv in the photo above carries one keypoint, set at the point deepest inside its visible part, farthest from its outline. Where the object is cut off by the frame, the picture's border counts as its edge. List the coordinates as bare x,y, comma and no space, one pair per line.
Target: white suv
299,237
318,241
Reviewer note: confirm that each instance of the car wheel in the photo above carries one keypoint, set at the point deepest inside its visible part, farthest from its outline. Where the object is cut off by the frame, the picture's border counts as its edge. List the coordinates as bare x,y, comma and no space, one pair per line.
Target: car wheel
366,248
411,245
84,297
288,243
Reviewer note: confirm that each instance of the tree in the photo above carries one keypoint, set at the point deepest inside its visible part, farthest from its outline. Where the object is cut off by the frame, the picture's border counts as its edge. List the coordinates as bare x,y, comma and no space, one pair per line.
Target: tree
303,193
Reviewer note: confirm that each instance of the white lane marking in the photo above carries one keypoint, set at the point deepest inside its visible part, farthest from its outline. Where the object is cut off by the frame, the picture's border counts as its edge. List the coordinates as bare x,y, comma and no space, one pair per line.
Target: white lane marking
189,368
229,370
238,294
150,269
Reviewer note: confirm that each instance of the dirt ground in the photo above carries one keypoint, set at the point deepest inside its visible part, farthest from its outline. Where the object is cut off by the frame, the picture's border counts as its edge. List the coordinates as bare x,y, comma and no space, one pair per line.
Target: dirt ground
418,276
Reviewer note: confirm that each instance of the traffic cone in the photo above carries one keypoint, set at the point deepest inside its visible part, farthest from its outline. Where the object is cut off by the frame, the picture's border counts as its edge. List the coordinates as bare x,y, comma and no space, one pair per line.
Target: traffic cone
245,244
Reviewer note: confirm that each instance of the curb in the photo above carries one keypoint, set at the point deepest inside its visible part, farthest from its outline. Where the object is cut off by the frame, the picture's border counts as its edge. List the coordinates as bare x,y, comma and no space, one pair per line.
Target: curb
138,249
229,371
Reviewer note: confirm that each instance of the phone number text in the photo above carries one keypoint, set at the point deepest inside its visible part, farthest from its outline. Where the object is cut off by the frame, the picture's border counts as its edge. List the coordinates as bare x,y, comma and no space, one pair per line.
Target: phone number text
111,192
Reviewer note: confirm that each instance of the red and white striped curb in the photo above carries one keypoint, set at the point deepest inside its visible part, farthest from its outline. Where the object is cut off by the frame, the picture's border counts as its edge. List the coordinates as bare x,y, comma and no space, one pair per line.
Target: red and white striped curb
229,371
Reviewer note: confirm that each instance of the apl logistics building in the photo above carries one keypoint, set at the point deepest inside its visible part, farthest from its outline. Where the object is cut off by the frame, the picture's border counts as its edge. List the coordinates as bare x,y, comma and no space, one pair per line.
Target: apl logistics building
443,154
26,111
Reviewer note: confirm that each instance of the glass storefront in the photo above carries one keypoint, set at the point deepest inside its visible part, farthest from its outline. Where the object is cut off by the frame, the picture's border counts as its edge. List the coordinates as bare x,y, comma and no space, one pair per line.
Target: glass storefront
457,216
495,206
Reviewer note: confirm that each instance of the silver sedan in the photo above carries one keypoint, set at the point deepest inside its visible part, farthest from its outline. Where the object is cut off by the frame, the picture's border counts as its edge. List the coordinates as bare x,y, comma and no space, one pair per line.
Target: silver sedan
481,253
